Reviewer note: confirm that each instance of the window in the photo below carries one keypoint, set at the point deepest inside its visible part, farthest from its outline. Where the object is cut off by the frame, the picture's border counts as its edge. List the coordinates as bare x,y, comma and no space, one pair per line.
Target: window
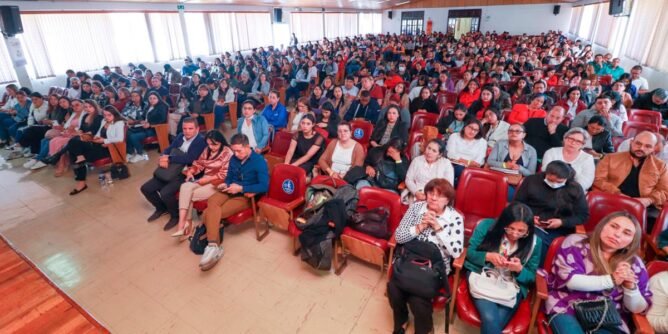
340,25
221,35
307,26
412,22
587,21
254,30
281,34
6,67
198,39
643,23
452,25
576,14
370,23
659,45
167,36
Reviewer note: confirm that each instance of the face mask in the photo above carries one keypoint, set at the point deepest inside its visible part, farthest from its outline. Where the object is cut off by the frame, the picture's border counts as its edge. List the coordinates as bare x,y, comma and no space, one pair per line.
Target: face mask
554,185
401,69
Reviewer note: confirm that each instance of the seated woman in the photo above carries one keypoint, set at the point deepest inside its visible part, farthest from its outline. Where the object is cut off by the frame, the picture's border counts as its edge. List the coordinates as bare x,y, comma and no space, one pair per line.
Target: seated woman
385,166
340,102
140,129
328,119
316,98
510,247
424,102
424,168
398,95
301,110
202,103
521,87
435,221
254,126
298,85
207,172
558,202
467,148
470,94
111,131
658,312
341,154
494,128
56,116
305,146
522,112
483,103
514,153
223,95
454,121
389,127
572,104
604,265
261,87
572,154
600,142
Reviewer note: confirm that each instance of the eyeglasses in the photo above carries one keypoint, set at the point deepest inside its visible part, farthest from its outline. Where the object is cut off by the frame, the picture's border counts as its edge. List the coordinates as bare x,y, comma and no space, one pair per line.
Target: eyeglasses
575,140
474,129
515,131
520,234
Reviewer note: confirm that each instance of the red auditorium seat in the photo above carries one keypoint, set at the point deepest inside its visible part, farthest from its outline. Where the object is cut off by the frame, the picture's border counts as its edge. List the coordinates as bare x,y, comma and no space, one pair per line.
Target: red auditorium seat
239,217
285,197
422,119
646,116
413,138
370,249
652,239
161,136
480,194
279,148
630,128
362,131
605,80
601,204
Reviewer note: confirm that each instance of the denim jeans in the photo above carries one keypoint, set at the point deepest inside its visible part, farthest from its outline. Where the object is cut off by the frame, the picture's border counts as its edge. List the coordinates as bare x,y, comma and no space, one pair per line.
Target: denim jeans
6,122
219,118
135,139
43,149
568,324
493,317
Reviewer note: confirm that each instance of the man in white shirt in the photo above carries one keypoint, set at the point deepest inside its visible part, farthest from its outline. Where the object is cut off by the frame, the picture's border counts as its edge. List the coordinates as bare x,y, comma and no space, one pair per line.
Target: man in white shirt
638,81
74,91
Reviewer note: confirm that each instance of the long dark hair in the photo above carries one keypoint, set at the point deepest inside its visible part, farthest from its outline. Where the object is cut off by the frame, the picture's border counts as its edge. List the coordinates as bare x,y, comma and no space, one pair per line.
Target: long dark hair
567,195
515,212
216,136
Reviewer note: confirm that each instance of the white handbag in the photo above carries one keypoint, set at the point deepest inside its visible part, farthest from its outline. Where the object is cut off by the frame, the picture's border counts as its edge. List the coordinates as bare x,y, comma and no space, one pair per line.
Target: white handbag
491,285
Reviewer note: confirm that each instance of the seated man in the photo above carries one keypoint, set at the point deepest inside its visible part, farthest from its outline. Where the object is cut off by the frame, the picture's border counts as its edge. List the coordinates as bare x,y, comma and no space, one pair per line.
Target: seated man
655,100
540,87
275,112
660,150
546,133
162,193
637,173
365,107
247,174
601,107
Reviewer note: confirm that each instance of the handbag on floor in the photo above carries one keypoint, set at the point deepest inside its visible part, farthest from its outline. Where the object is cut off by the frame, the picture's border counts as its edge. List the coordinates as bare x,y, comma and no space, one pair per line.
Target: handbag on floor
198,241
172,171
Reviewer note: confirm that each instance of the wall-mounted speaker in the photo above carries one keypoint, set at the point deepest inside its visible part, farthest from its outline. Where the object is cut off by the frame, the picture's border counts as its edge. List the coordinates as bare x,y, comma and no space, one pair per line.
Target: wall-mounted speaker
389,14
11,20
556,10
616,7
278,15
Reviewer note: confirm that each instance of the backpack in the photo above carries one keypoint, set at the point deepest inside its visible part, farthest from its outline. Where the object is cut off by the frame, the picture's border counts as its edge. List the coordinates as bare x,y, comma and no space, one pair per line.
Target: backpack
198,241
350,196
372,222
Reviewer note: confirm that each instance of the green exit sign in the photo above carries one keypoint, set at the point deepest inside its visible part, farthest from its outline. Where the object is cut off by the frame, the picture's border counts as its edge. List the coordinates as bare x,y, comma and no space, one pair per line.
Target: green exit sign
180,6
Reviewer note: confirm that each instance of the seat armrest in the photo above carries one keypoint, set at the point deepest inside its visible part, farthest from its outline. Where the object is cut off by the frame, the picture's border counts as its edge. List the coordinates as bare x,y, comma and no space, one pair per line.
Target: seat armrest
294,204
402,186
392,242
459,262
642,324
580,229
541,285
250,195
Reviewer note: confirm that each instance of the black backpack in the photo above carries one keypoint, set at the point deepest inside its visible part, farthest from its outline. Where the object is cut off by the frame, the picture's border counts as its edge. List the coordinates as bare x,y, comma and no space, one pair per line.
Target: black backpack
198,241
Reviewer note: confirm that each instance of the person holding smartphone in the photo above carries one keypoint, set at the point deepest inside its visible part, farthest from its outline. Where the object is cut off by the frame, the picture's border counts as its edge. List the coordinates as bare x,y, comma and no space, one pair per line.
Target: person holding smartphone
557,201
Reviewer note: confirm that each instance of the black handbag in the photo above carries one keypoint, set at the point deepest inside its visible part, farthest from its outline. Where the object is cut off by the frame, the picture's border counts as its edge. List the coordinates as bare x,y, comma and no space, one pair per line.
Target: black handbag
198,240
372,222
172,171
119,171
355,174
598,314
419,270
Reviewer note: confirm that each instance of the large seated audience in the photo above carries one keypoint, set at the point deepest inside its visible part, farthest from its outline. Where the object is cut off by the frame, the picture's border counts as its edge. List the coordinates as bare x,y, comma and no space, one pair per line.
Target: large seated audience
411,115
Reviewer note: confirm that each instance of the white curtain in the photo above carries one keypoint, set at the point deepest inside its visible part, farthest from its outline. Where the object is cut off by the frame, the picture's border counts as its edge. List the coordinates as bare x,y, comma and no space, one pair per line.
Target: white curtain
587,21
340,25
281,34
370,23
198,39
254,30
7,74
33,41
131,37
605,25
575,20
643,23
307,26
167,36
659,46
220,32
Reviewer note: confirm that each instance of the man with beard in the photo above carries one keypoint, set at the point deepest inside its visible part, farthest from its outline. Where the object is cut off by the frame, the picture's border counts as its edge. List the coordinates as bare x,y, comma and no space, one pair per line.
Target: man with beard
637,173
74,91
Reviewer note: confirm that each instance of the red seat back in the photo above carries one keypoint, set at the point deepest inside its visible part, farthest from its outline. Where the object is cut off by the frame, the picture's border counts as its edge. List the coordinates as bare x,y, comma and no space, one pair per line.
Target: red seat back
630,128
660,225
646,116
371,197
422,119
281,143
287,183
413,138
362,131
601,204
605,80
552,253
481,193
656,267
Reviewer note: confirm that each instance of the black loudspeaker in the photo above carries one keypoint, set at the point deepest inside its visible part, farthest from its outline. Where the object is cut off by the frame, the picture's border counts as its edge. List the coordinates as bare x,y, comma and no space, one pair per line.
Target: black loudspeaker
556,10
11,20
389,15
616,7
278,15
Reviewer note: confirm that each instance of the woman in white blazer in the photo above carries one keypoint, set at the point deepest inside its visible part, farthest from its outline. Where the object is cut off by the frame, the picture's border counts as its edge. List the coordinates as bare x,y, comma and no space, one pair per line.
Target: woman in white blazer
82,150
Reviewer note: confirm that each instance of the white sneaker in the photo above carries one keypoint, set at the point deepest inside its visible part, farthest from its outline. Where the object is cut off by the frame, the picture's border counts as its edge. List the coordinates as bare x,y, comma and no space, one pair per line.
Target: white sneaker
38,165
129,157
26,153
142,157
212,253
29,163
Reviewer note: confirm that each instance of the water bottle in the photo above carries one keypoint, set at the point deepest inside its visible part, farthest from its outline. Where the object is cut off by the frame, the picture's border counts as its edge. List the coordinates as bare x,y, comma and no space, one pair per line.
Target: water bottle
103,181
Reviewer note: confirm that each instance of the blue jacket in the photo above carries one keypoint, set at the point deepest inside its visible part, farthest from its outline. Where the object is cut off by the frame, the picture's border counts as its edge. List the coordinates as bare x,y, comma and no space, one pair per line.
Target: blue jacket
22,113
196,147
252,174
369,112
260,130
278,117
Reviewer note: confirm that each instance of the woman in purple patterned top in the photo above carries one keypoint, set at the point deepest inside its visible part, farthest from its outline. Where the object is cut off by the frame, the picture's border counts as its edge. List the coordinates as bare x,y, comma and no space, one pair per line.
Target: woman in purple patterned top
604,265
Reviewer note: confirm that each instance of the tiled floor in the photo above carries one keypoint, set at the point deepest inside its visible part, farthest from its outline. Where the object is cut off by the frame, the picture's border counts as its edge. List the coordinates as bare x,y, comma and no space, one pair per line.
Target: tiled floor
134,278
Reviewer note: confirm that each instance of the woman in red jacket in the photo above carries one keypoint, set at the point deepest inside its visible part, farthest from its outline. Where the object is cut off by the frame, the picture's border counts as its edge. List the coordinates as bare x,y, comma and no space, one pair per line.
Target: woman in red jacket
470,94
522,112
573,105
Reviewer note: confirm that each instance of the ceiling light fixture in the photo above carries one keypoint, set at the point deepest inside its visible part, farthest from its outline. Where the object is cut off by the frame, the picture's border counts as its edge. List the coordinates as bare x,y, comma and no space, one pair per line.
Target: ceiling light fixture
401,3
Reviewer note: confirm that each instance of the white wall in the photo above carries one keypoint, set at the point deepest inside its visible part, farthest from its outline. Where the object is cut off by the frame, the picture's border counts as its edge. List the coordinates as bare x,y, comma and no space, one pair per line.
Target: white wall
516,19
